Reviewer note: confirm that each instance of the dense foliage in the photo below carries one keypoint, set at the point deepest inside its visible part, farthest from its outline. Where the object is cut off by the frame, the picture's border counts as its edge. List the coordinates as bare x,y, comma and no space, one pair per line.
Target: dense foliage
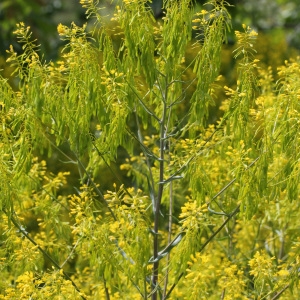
201,207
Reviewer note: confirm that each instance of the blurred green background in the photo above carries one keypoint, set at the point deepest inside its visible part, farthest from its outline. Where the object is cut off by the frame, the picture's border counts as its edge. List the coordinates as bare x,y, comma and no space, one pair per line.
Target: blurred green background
278,18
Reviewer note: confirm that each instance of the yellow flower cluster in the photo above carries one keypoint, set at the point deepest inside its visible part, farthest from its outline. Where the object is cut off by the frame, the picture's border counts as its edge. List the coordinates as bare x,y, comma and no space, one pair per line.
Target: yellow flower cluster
117,14
200,282
245,42
86,3
12,53
261,265
232,282
30,55
72,32
62,29
112,79
192,215
243,37
129,2
81,209
47,286
202,18
22,31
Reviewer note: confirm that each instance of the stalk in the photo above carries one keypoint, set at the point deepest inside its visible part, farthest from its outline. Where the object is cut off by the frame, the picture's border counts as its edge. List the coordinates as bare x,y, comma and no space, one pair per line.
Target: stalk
163,135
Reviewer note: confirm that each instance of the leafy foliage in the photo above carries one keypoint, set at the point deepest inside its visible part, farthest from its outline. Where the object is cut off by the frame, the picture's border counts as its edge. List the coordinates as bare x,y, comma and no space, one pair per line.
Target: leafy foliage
211,209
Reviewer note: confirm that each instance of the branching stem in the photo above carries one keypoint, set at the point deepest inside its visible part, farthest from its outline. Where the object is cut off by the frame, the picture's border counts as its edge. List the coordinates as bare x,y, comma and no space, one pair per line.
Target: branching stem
20,228
237,209
229,217
158,201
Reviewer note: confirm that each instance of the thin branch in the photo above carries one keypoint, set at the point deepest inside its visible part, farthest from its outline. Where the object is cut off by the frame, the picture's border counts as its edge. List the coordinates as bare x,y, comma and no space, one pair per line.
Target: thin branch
223,294
176,101
62,152
280,292
167,126
151,181
164,97
182,96
111,170
145,289
99,193
169,237
177,131
159,72
169,231
144,148
225,188
157,208
237,209
20,228
184,166
229,217
160,187
69,256
179,81
49,194
145,107
106,290
168,248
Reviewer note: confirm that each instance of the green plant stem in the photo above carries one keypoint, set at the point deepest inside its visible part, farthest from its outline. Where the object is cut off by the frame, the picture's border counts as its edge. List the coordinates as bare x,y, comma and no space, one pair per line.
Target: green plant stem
169,230
146,154
280,292
158,202
106,290
223,294
162,141
169,237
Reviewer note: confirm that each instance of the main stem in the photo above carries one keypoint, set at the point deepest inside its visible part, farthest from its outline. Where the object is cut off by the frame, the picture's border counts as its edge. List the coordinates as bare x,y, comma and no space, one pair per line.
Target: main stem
158,200
169,236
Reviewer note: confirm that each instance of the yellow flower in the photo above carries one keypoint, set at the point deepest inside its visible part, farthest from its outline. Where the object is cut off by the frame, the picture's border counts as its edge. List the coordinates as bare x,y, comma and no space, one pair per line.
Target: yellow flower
61,29
261,264
253,33
283,273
